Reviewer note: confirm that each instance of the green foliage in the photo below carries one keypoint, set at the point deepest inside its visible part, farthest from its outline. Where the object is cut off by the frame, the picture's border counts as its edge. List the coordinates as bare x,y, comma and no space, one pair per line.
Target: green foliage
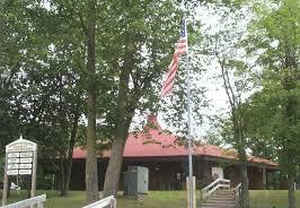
51,80
276,120
40,82
13,42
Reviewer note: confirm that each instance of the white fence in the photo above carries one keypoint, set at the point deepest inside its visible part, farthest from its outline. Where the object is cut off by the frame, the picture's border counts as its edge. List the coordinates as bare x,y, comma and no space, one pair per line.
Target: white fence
38,201
110,202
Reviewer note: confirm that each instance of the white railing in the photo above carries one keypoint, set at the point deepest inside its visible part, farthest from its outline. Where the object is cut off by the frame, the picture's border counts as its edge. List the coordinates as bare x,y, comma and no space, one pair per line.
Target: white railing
110,202
211,188
237,191
38,200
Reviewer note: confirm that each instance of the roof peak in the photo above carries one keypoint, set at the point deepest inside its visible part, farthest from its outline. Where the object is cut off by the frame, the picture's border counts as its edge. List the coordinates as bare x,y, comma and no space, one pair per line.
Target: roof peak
152,122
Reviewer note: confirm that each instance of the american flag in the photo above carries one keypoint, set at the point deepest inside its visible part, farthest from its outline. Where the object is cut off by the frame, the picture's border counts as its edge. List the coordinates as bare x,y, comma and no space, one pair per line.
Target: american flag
181,48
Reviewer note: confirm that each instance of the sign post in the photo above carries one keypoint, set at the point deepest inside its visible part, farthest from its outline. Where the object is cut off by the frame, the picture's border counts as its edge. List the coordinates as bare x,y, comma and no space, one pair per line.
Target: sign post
20,160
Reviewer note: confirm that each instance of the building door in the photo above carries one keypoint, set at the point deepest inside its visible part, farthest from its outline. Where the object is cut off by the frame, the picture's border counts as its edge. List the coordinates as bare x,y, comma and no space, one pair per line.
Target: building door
217,172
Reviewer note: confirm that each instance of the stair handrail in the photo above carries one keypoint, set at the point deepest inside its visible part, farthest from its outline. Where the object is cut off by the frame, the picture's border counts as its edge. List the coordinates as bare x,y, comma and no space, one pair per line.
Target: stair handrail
215,185
237,191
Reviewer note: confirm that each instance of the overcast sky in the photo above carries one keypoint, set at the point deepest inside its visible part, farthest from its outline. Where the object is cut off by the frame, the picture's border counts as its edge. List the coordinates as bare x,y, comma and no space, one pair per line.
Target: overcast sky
216,93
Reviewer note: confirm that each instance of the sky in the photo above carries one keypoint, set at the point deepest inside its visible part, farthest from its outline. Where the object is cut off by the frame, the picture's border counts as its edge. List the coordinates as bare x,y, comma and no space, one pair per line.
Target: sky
215,92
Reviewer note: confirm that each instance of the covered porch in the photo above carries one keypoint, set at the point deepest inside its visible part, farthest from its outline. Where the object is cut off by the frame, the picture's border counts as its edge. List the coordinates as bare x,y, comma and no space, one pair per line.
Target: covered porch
169,173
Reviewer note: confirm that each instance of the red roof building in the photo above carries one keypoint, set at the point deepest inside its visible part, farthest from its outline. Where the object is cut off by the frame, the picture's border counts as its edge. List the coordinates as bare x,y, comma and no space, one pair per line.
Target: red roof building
166,158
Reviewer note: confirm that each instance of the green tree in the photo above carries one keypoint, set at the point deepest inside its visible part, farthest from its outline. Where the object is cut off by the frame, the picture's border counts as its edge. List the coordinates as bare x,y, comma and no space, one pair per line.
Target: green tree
145,32
44,72
223,48
76,24
275,41
12,42
54,105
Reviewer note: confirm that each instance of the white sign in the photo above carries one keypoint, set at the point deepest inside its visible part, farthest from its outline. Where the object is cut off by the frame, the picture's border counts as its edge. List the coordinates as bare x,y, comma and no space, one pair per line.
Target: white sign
13,160
26,160
10,155
26,154
21,145
25,172
25,166
20,157
12,172
12,166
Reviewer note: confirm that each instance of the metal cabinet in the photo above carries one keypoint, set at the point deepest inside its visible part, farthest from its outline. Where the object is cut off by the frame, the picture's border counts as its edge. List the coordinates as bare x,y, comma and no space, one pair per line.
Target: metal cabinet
136,180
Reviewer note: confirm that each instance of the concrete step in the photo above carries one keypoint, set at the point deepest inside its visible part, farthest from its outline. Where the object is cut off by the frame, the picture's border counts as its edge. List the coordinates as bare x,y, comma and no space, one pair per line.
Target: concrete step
218,194
222,197
224,190
219,205
224,193
223,200
219,202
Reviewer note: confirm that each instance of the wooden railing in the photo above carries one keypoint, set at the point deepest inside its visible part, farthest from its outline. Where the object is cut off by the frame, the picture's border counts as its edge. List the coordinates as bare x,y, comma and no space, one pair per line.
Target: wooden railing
38,201
110,202
211,188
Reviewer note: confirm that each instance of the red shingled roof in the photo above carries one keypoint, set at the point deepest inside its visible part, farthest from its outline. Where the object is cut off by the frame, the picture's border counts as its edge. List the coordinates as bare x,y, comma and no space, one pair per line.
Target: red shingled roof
152,142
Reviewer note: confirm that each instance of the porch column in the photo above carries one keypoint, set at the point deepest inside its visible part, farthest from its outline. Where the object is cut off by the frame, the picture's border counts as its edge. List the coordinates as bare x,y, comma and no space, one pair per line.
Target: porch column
264,179
206,172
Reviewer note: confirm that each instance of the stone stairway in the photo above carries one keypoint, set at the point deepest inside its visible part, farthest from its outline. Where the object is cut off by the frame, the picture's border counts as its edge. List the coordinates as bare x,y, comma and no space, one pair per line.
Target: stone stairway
220,199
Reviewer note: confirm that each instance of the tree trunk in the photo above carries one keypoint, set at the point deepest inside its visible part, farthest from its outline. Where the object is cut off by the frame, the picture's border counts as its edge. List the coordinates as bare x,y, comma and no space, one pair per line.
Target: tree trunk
113,172
68,175
62,177
91,158
66,167
244,198
241,146
291,194
291,107
238,134
67,163
92,190
123,120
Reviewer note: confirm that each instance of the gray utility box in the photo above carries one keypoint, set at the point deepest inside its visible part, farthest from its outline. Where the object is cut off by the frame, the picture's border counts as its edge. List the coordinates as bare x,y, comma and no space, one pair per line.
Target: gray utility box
136,180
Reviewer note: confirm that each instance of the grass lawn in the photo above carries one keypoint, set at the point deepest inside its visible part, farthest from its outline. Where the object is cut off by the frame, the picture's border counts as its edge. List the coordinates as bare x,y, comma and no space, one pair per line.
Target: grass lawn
76,199
161,199
271,199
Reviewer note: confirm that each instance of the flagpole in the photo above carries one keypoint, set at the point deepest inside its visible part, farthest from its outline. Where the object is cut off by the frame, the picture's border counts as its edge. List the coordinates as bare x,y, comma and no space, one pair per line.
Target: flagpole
191,190
189,121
